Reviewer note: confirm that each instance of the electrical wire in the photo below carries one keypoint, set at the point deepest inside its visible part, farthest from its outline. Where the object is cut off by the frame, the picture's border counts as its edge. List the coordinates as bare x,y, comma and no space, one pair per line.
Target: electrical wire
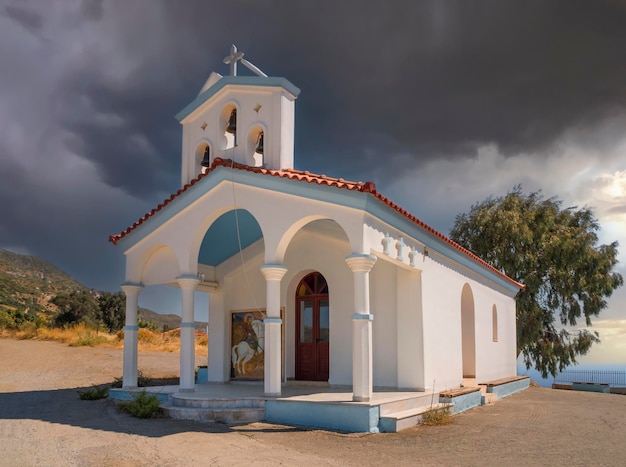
243,266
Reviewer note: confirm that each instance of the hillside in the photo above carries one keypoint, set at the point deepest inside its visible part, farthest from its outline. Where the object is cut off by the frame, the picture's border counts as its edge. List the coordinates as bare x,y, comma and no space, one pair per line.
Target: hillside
171,321
27,283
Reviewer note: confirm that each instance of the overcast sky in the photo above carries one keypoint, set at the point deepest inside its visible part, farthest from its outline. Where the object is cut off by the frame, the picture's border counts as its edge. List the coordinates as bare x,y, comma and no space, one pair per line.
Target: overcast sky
440,103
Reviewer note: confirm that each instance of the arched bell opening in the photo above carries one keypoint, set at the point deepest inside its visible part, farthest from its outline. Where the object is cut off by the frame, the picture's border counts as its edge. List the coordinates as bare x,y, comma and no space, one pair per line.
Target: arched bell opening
228,126
203,157
255,146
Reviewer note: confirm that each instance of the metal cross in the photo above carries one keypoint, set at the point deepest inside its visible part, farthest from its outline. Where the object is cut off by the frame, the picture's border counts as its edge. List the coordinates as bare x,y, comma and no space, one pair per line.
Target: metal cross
233,58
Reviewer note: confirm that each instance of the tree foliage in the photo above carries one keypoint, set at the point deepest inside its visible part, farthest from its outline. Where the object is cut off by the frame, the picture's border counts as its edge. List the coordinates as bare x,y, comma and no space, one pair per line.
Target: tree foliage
76,307
554,252
92,308
112,310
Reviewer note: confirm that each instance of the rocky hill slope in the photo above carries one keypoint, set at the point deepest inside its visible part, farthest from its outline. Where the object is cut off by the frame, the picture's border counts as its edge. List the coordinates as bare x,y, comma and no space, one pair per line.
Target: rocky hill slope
28,283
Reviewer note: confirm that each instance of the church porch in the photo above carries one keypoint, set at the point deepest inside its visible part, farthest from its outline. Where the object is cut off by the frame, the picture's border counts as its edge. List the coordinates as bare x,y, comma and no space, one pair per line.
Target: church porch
300,404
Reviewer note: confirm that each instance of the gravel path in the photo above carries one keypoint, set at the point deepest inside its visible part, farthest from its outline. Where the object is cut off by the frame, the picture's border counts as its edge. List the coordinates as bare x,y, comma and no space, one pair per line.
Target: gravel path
43,422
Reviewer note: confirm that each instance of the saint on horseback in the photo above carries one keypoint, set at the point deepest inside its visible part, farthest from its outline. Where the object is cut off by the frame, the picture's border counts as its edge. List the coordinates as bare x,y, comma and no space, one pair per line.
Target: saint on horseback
252,343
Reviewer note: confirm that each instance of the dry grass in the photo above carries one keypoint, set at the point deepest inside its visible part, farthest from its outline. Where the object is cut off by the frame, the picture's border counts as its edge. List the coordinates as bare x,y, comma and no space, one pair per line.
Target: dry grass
435,416
83,336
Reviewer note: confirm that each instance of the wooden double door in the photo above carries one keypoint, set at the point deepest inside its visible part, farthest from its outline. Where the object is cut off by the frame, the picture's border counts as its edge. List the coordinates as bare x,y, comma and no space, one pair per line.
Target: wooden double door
312,328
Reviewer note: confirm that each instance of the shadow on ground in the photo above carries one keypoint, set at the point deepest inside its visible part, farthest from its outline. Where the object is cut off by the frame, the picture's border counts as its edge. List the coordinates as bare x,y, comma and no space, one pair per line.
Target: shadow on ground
63,406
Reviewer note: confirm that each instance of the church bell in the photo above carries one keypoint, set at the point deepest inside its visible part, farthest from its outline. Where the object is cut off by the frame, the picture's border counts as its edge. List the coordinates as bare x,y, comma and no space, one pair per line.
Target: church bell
206,162
259,146
232,123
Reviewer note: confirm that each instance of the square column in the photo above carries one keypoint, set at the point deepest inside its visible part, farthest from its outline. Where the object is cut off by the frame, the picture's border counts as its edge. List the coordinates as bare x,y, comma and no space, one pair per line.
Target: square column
187,285
362,380
129,376
273,339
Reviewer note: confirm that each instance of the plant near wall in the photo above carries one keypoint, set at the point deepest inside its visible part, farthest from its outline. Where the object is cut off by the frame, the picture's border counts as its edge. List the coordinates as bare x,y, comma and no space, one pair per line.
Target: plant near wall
143,405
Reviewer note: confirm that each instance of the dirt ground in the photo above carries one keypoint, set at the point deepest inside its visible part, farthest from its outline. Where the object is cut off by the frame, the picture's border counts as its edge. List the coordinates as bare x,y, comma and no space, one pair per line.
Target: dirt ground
43,422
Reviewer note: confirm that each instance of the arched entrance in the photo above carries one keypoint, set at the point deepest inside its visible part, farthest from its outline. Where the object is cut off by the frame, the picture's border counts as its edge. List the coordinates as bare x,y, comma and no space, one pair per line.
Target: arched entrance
468,332
312,328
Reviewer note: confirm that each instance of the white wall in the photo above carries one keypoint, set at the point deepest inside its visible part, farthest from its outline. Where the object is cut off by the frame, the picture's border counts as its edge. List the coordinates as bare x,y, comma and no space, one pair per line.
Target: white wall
383,305
322,247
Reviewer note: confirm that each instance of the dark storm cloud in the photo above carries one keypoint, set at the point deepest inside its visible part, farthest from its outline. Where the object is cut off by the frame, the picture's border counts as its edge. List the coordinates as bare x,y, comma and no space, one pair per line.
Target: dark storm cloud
92,9
129,135
386,87
431,79
28,19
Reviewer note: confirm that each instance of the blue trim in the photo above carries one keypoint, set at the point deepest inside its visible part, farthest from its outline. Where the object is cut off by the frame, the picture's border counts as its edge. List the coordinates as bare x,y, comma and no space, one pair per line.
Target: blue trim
356,417
506,389
133,284
362,316
131,328
188,276
187,325
273,266
268,81
463,402
272,321
362,255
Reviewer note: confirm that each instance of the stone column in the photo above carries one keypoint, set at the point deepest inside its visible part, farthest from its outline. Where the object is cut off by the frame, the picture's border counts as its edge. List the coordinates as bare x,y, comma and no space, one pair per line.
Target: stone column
188,284
273,339
129,376
362,382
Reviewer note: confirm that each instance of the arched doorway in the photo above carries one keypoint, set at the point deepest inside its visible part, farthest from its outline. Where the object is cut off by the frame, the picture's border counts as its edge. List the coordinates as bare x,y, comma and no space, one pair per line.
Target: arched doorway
312,328
468,332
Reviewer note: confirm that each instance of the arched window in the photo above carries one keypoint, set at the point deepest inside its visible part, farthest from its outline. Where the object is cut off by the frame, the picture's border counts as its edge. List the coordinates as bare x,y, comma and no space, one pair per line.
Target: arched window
494,323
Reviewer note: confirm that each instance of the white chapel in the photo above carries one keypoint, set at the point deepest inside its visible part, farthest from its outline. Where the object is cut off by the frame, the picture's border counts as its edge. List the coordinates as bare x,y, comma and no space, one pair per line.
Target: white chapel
310,278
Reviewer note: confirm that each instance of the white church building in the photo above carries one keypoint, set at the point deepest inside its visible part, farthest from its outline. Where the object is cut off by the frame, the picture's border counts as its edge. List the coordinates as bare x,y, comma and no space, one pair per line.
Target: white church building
310,278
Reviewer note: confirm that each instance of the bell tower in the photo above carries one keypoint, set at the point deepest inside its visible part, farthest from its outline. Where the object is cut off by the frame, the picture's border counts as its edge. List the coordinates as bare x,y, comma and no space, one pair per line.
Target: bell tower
249,119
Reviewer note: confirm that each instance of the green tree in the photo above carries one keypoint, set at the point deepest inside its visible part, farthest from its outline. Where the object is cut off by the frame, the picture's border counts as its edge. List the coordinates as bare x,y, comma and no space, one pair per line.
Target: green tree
76,307
554,252
112,310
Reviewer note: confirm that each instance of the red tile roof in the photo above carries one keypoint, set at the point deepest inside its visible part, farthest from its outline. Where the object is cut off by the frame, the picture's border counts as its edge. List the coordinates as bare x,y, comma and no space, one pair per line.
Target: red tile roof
305,176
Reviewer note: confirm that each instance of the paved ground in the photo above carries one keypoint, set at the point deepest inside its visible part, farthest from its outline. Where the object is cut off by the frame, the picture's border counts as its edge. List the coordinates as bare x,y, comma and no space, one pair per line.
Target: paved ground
42,422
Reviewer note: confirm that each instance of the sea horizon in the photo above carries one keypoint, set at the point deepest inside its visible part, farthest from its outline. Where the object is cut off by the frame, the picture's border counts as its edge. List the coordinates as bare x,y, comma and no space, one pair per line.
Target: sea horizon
547,382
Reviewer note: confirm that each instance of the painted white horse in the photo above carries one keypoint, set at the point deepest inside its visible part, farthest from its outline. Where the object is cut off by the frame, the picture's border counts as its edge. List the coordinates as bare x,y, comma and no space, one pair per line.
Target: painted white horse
242,353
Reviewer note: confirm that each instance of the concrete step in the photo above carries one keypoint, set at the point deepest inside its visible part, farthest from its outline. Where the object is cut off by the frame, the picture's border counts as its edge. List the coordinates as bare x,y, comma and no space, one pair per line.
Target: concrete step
409,403
214,415
199,401
469,382
488,398
398,421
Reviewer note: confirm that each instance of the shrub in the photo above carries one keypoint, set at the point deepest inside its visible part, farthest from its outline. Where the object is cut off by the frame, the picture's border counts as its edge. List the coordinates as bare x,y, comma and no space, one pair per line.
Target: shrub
94,393
441,415
142,381
87,338
143,405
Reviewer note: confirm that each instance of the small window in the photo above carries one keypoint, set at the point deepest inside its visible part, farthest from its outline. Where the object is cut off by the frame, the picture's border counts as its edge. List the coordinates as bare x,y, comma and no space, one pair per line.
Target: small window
494,323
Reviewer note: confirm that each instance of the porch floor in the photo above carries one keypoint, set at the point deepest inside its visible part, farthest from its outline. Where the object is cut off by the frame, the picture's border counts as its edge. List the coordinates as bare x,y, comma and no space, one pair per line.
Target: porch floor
295,392
299,404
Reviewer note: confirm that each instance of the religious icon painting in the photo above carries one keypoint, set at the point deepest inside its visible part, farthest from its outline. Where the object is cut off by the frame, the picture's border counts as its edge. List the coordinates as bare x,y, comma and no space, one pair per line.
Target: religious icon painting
247,337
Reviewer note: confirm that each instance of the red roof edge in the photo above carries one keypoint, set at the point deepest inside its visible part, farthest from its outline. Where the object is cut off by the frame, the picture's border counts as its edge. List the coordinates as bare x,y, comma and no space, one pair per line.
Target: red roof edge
305,176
